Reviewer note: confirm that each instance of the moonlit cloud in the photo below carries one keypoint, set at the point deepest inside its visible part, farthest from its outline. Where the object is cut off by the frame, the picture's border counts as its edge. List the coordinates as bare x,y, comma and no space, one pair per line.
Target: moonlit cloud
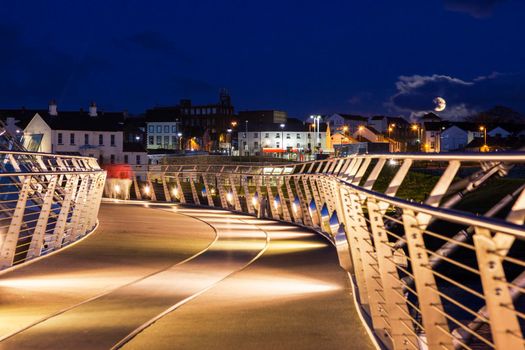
475,8
415,94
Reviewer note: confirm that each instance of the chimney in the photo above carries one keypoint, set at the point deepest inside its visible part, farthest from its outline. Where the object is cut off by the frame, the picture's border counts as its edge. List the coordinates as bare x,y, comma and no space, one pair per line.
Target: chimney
53,108
93,109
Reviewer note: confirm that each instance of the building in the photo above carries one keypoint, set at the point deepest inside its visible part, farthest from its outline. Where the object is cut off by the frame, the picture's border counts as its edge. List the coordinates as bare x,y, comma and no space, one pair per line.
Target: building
339,121
457,136
189,126
431,136
500,132
294,137
93,133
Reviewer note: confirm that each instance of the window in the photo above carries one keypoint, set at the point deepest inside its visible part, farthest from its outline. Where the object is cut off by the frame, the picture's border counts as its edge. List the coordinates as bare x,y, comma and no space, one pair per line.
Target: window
287,136
243,135
174,128
86,139
71,139
159,129
255,135
432,144
298,136
126,158
59,138
267,135
256,144
151,128
166,141
112,140
277,144
137,159
159,140
151,141
166,129
277,135
112,159
309,136
298,145
173,140
100,139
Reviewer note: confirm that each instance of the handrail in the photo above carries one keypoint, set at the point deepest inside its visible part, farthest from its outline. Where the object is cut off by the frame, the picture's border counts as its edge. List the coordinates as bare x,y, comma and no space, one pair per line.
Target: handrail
414,256
47,201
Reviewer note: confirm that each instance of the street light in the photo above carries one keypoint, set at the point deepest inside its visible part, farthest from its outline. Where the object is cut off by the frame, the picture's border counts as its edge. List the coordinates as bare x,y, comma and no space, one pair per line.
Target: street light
229,131
282,138
180,140
317,119
359,129
484,129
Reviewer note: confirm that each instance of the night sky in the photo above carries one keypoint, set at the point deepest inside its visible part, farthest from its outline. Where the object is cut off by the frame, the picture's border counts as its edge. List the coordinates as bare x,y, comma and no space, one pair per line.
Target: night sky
304,57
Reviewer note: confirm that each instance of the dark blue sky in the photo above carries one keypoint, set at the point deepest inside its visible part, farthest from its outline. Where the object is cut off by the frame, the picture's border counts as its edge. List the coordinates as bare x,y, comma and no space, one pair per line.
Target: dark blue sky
304,57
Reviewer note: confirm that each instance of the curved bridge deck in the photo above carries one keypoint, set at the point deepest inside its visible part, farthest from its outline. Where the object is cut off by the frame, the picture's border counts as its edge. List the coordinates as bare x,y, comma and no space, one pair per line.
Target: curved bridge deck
169,277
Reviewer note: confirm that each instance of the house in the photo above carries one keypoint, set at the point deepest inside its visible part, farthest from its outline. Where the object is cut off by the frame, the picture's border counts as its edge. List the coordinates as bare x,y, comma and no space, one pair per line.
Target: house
93,133
339,121
499,132
383,124
294,137
458,135
431,132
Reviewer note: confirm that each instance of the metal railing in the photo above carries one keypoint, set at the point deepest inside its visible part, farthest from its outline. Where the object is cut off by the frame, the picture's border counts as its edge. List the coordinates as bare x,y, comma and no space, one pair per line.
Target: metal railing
47,201
435,244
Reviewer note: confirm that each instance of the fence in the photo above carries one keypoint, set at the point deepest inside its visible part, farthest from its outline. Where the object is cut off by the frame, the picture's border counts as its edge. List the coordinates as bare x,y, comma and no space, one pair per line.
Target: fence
437,257
47,201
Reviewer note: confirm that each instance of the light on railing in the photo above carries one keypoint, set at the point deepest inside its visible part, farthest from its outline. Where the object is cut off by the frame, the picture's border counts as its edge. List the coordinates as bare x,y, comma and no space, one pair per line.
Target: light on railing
147,190
229,197
294,208
212,191
117,188
255,200
392,162
175,192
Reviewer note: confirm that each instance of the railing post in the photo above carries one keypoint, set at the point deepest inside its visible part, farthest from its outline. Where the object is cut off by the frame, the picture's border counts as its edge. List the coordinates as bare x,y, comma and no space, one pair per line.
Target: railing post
165,188
395,307
79,204
152,196
182,197
60,226
435,324
504,324
284,206
194,193
304,203
236,201
207,189
37,241
247,195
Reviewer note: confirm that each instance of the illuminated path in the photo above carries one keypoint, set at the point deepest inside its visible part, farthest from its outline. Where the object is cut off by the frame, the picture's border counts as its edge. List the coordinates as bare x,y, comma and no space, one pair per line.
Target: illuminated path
243,283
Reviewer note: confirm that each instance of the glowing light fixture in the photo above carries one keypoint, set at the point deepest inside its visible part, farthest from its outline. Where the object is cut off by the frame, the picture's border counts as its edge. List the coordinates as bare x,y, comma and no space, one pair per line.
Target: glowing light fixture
117,188
175,192
147,189
229,197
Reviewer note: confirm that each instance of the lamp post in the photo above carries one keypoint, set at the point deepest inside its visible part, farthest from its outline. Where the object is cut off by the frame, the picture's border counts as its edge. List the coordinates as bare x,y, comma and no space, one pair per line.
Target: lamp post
415,128
359,129
229,131
180,140
317,119
282,138
484,129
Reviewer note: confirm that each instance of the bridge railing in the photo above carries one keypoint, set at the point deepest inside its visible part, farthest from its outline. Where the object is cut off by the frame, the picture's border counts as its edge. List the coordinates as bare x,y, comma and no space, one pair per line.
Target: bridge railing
434,243
47,201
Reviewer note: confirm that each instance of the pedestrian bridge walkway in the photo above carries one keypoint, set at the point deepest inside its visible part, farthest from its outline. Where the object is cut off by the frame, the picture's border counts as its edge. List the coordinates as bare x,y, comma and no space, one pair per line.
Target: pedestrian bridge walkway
164,276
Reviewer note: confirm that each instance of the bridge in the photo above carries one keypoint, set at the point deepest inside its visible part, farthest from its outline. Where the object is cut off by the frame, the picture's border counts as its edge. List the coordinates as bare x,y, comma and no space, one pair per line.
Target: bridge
395,251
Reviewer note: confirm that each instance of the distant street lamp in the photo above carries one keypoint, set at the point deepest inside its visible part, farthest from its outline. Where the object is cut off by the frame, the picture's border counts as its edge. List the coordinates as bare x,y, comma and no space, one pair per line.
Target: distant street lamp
317,119
282,138
229,131
484,129
180,140
359,129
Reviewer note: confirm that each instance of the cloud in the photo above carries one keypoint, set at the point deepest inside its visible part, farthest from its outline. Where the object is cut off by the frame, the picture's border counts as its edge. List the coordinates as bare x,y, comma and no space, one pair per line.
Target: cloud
475,8
155,42
415,93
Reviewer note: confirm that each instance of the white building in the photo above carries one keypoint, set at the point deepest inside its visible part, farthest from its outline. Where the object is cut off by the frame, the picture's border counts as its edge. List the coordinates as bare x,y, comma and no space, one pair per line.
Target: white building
272,139
499,132
458,136
163,135
92,134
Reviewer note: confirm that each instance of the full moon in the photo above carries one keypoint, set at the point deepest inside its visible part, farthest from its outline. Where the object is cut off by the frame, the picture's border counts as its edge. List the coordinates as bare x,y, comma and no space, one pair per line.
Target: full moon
440,104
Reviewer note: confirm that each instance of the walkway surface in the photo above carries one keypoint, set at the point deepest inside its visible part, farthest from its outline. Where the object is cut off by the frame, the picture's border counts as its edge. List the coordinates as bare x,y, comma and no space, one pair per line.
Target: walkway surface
164,277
